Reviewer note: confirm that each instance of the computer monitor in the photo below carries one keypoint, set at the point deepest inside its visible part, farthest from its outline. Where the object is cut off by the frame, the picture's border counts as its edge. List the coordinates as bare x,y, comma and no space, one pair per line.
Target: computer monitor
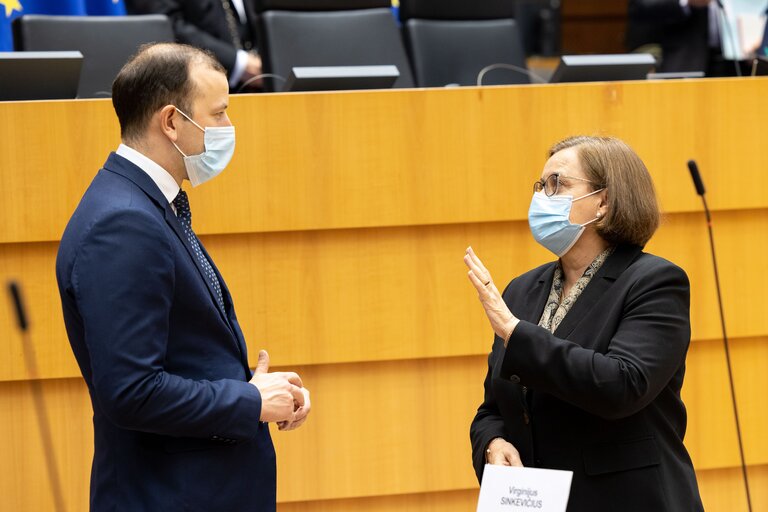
598,68
675,75
39,75
335,78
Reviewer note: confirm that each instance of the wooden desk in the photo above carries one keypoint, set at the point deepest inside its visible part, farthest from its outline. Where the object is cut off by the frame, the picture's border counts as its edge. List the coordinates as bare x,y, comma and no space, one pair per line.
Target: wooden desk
340,228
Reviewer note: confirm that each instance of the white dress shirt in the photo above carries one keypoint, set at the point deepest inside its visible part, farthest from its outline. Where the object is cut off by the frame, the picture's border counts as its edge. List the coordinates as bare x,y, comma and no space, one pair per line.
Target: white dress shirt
162,178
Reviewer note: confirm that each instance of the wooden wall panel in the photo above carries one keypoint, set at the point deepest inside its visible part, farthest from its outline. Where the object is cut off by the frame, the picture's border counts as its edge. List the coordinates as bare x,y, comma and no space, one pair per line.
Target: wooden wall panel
25,484
464,500
722,490
593,26
340,229
381,428
594,8
711,437
388,293
408,157
593,35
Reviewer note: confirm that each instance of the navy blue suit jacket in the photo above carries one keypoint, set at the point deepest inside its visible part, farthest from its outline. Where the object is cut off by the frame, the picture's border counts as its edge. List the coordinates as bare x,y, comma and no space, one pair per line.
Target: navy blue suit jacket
601,395
176,423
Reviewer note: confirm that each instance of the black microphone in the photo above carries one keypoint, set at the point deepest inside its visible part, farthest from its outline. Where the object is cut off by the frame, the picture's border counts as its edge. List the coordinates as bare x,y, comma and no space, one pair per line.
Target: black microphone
696,177
18,303
699,184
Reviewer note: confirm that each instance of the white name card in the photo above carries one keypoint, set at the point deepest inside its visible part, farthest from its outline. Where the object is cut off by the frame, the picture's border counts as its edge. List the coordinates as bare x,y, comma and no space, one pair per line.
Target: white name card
510,489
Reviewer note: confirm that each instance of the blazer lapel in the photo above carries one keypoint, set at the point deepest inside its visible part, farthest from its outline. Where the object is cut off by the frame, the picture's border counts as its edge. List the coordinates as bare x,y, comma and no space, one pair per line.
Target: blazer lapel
229,306
616,263
529,310
173,221
536,298
119,165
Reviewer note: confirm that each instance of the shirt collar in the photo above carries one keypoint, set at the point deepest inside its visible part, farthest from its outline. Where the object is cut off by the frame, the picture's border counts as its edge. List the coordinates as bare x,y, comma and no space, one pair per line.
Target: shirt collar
160,176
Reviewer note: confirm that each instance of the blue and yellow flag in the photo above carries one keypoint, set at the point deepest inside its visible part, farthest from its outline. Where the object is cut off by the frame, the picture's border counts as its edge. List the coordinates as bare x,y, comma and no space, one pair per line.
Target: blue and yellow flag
105,7
12,9
9,10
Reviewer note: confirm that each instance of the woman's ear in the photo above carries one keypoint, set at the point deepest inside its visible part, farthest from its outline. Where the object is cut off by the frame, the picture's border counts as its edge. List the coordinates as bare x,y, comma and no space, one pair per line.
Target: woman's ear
602,205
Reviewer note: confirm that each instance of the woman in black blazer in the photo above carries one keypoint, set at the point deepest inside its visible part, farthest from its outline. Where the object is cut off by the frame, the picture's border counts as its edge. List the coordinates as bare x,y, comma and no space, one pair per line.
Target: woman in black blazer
589,354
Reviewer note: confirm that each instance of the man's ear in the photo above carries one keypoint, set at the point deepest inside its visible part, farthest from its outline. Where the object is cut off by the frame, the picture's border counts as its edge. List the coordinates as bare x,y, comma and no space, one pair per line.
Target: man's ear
167,119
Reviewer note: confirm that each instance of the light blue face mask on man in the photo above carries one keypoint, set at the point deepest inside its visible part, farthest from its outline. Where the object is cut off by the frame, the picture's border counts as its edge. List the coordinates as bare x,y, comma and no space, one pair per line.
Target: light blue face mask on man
219,148
551,226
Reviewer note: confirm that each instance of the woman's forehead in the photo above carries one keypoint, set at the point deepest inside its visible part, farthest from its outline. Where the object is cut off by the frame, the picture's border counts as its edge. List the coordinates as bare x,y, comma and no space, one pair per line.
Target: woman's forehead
565,162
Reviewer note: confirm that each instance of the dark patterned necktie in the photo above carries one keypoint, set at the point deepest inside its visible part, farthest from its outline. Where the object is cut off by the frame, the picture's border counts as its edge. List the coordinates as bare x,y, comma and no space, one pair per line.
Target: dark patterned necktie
233,24
185,217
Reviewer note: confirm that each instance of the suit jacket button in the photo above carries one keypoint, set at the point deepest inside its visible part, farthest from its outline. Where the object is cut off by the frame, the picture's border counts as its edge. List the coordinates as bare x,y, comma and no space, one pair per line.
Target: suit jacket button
526,418
515,379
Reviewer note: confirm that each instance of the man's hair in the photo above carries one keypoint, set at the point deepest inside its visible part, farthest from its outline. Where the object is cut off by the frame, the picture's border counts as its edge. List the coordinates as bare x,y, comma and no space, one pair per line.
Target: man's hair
633,211
156,76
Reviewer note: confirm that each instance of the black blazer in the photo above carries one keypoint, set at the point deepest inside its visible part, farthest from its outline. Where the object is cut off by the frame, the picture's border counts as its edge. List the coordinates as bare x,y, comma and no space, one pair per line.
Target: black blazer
601,396
682,34
175,421
202,23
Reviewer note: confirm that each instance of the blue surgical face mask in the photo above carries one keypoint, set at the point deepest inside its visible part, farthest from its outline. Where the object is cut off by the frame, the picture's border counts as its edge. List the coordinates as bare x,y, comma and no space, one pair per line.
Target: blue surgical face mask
219,148
549,219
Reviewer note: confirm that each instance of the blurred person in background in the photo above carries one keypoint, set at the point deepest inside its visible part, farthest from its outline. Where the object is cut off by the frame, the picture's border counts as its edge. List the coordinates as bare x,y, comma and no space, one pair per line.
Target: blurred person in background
227,28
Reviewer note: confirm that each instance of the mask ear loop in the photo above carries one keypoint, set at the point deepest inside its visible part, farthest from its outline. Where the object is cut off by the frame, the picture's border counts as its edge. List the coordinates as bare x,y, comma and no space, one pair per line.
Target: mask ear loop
177,149
598,215
587,195
189,119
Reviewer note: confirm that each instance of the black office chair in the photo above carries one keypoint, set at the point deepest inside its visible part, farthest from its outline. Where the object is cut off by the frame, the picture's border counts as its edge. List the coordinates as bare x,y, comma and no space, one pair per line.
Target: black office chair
328,33
106,42
454,42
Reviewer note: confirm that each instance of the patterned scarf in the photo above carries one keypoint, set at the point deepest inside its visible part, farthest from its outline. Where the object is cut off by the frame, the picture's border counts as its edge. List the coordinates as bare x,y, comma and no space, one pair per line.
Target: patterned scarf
556,309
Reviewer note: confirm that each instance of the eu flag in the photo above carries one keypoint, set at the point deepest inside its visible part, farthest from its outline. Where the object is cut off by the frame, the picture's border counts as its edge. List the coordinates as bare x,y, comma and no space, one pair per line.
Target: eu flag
12,9
105,7
9,11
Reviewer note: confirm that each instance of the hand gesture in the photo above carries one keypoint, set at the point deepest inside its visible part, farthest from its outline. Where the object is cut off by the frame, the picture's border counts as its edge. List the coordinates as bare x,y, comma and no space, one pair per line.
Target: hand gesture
299,414
502,320
282,393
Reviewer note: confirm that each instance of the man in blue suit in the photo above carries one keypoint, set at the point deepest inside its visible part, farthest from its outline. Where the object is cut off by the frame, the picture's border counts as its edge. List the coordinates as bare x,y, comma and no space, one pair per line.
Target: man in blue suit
180,422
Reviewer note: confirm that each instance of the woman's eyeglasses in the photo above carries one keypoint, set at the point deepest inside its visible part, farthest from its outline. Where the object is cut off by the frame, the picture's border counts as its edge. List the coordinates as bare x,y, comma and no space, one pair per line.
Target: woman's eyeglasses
551,184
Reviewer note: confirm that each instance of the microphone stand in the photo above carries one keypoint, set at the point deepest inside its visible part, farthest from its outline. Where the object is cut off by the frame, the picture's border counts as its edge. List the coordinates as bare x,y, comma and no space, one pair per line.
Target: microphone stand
43,422
699,184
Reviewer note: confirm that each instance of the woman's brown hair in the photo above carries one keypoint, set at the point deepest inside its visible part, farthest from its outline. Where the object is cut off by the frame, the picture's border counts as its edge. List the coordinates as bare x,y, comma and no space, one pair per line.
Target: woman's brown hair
633,210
